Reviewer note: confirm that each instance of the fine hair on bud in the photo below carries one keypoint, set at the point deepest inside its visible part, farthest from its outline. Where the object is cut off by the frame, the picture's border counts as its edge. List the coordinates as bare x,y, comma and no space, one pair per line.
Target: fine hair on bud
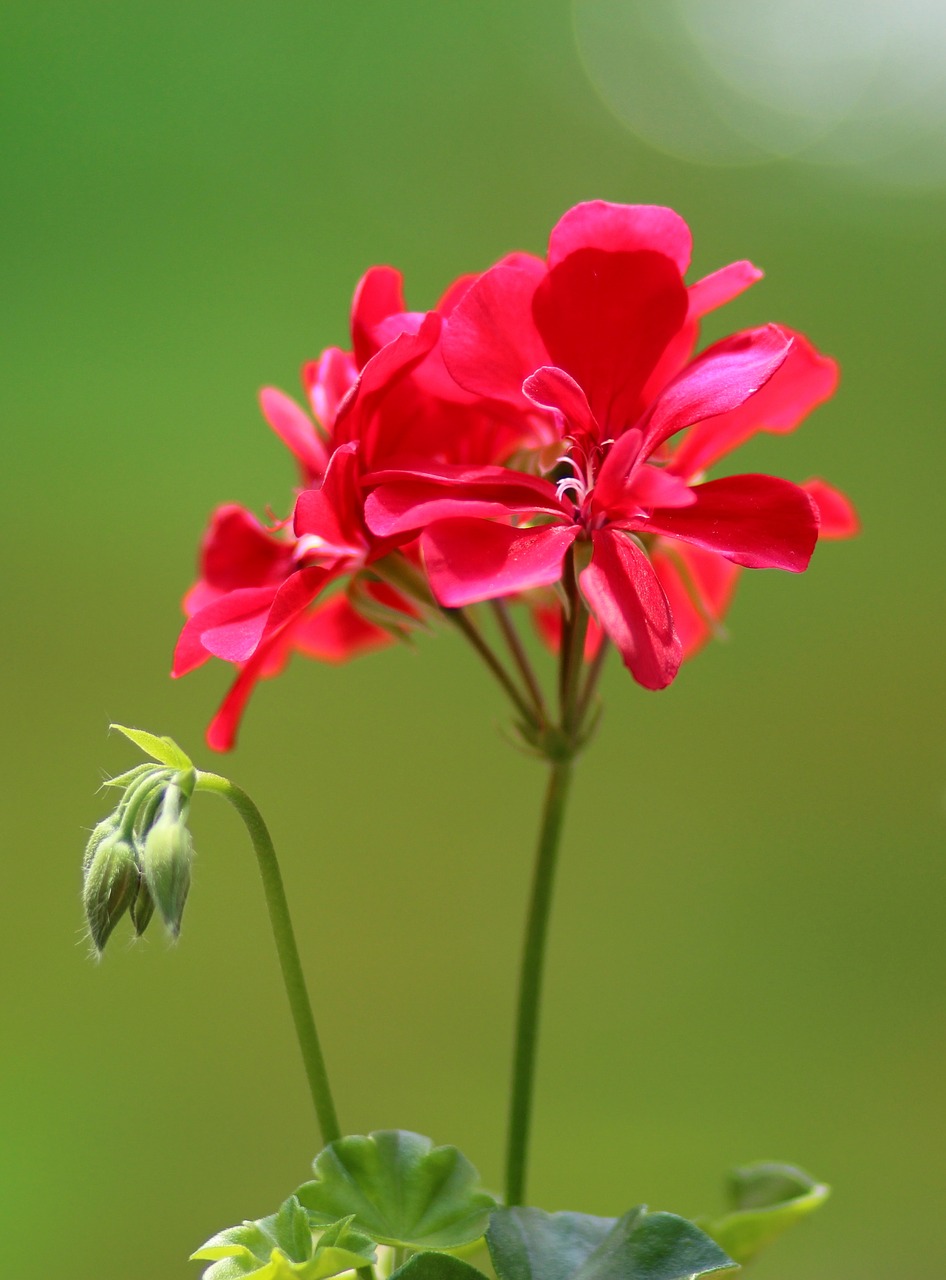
166,859
109,886
107,827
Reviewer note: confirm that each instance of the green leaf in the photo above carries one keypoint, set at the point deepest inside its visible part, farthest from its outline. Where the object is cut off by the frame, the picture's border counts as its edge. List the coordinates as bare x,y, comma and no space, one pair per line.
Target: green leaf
655,1246
400,1189
164,750
530,1244
766,1199
527,1244
281,1247
436,1266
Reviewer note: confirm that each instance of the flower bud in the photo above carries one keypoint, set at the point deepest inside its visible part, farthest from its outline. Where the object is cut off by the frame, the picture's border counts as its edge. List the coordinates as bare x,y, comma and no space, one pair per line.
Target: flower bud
142,909
110,884
166,860
107,827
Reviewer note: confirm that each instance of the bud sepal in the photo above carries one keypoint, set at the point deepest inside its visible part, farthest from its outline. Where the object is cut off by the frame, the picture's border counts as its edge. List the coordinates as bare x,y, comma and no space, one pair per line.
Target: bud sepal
110,884
167,856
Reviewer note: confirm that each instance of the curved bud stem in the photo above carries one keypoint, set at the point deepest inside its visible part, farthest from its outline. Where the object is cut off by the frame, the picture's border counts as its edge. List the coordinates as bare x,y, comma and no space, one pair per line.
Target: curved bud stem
293,977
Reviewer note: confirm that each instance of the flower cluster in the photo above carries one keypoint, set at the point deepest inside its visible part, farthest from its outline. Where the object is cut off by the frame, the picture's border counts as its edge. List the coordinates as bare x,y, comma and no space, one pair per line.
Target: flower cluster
544,433
139,857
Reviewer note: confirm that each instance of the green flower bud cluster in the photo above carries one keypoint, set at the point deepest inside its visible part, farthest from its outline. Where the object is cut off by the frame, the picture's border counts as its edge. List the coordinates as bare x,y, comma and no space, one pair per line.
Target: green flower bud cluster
138,859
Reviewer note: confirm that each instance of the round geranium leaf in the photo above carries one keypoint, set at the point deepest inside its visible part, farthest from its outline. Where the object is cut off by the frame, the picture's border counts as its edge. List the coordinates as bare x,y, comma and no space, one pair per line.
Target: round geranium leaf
655,1246
400,1190
765,1200
527,1244
530,1244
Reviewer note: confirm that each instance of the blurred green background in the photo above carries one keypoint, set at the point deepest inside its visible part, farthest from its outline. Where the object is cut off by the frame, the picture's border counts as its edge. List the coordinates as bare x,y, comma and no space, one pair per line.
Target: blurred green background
747,955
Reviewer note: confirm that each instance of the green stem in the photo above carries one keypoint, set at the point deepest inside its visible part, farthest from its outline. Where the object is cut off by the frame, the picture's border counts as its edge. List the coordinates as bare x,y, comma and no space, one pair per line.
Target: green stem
530,980
520,657
591,681
293,977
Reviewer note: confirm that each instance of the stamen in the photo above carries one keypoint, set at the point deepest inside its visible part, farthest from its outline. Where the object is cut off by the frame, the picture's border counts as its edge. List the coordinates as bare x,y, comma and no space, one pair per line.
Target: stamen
570,484
566,460
309,543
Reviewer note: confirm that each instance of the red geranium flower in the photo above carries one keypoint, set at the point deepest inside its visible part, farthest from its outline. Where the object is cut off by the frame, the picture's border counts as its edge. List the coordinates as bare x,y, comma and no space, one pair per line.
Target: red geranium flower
580,370
599,336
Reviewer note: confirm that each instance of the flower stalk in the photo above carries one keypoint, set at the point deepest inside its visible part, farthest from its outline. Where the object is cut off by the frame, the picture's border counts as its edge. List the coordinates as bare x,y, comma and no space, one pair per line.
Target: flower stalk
558,745
286,948
530,979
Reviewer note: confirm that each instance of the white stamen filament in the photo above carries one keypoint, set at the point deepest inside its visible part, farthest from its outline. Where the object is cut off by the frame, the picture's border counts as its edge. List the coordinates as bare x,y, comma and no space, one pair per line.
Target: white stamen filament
580,484
571,484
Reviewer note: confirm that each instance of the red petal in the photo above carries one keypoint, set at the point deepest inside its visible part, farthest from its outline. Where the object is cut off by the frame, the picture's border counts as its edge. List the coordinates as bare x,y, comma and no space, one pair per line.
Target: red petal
606,319
676,356
655,487
295,431
463,475
222,730
328,381
237,638
454,294
334,513
335,632
198,597
720,379
622,228
238,551
625,486
761,522
411,500
378,294
614,477
360,415
490,342
686,572
293,598
837,516
803,380
722,286
471,560
246,609
553,389
629,603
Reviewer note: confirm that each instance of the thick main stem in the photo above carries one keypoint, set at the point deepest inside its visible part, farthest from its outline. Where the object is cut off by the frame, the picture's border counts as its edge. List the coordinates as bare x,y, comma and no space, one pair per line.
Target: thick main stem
530,980
288,952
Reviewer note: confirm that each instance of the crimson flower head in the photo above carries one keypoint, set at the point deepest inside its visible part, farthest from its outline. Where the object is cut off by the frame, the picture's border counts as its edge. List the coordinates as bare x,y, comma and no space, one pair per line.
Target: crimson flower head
549,422
600,337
